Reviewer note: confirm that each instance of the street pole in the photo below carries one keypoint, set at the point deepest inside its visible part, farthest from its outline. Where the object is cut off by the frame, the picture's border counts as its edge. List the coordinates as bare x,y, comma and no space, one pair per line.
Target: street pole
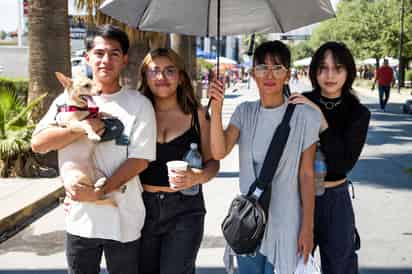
400,64
19,23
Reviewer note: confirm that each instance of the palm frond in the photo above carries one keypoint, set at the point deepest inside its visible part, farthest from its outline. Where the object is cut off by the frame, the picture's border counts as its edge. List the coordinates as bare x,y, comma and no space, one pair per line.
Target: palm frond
23,113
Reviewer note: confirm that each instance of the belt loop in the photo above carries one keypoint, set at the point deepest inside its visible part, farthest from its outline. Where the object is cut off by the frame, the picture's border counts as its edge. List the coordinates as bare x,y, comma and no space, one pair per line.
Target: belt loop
353,189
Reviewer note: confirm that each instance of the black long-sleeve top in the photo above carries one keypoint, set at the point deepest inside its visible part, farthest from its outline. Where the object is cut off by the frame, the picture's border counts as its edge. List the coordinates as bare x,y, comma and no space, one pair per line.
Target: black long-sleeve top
343,140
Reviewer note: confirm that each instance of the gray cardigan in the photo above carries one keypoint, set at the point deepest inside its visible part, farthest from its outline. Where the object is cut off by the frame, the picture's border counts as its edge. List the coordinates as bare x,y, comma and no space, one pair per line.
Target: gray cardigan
279,244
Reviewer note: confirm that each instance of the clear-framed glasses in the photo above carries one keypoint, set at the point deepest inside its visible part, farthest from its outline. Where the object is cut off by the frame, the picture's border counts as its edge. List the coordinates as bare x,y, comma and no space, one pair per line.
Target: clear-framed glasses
263,70
169,73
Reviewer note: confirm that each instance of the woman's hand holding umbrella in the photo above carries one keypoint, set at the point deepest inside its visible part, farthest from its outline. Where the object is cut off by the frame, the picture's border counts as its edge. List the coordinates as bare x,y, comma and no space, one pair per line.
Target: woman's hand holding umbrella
216,93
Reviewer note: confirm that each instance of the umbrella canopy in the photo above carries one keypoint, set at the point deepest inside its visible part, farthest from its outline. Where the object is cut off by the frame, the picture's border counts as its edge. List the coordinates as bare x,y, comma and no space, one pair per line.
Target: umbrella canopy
199,17
203,54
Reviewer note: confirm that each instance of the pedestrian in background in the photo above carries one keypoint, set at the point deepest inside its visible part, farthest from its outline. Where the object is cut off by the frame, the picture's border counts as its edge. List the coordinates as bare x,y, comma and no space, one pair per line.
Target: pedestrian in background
174,222
93,228
332,72
289,229
384,77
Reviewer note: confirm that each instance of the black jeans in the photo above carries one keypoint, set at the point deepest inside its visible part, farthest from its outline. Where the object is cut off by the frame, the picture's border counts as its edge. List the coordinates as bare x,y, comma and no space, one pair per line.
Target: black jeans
172,233
84,255
335,231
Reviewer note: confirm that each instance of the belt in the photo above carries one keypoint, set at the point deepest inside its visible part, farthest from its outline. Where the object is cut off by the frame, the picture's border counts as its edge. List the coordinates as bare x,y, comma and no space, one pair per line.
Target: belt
334,183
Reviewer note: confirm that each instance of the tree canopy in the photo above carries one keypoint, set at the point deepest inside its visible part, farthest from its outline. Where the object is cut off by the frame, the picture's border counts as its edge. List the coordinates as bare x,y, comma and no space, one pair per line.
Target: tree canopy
368,28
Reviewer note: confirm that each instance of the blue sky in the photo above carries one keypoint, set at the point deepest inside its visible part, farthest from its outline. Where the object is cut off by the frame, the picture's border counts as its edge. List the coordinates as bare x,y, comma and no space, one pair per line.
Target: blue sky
9,12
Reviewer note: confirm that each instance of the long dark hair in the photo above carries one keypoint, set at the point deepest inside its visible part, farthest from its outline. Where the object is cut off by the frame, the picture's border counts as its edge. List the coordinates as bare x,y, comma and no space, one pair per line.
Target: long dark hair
341,55
186,97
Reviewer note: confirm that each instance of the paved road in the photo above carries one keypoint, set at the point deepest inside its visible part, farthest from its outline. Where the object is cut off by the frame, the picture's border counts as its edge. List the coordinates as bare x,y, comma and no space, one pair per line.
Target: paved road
383,203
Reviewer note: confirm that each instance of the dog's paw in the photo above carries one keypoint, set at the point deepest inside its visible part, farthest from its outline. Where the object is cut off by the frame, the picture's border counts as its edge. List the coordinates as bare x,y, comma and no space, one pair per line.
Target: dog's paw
94,137
100,182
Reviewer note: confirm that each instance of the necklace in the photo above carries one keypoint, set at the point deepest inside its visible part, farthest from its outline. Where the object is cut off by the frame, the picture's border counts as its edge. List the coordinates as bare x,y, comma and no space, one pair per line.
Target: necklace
330,105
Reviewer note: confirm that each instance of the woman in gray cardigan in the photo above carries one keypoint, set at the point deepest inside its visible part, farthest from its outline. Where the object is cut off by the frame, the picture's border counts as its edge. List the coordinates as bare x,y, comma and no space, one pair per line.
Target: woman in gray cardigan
289,231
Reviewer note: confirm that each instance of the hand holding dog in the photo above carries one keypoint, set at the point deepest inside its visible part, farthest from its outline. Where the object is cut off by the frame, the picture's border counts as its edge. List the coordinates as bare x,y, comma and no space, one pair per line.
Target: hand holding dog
96,124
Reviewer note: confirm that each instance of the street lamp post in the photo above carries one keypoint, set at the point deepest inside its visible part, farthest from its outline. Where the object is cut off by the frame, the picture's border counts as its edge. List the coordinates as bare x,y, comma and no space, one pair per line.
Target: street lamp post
400,64
19,23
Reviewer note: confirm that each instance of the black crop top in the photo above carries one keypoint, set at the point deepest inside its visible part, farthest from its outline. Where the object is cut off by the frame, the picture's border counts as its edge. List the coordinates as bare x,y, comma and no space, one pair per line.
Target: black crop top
156,173
343,140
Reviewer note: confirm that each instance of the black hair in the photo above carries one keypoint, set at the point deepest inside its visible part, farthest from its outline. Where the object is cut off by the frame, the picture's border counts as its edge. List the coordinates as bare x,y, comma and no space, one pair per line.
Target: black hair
341,55
108,32
276,49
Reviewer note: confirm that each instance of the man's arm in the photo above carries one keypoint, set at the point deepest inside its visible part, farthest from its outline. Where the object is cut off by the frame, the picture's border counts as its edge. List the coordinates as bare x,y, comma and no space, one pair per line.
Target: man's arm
55,138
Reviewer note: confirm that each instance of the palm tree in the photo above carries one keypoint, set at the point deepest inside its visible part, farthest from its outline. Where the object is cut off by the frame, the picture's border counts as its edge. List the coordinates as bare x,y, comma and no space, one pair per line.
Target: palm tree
49,50
185,46
15,131
141,42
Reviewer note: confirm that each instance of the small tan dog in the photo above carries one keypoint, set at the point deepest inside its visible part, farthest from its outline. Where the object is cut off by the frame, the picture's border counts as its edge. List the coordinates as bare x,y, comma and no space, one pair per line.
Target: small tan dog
76,161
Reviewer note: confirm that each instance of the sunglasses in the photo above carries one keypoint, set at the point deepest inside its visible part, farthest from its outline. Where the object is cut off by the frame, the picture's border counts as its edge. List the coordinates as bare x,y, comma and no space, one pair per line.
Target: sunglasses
169,73
263,70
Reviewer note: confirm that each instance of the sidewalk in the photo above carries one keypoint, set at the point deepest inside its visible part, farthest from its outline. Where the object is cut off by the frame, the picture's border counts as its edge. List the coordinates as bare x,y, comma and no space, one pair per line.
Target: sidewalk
23,200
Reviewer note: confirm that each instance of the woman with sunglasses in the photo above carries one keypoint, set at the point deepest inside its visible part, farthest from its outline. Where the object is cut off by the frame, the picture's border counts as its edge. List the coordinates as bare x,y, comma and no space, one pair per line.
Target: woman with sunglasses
289,229
345,125
174,221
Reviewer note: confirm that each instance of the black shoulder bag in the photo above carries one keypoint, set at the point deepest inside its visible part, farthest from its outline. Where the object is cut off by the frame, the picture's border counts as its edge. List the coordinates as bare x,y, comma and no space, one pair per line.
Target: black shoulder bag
244,225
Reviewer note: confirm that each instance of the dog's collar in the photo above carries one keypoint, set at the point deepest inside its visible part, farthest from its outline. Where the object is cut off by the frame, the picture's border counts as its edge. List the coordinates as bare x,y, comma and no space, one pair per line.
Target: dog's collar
94,110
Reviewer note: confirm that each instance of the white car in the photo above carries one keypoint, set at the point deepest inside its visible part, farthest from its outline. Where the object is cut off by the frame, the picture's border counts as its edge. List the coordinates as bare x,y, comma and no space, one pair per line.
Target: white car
79,66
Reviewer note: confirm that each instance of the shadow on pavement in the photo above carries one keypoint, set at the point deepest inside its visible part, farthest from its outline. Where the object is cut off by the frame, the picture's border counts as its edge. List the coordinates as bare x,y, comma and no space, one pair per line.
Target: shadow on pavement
232,96
379,171
227,175
43,244
378,165
212,270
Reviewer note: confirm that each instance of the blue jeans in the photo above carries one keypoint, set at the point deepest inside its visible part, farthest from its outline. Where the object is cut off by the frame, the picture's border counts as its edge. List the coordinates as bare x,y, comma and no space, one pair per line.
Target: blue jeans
384,95
257,264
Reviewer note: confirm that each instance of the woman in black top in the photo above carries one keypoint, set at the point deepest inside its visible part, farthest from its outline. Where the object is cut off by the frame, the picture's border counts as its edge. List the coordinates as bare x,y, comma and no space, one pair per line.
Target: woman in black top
174,221
342,136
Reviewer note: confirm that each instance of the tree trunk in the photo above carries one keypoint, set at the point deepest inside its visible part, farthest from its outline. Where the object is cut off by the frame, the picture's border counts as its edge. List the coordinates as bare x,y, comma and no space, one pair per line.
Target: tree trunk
185,46
138,50
49,50
130,75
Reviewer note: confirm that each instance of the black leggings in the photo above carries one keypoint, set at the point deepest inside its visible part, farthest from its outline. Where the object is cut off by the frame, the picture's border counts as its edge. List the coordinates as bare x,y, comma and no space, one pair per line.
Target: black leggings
335,231
172,233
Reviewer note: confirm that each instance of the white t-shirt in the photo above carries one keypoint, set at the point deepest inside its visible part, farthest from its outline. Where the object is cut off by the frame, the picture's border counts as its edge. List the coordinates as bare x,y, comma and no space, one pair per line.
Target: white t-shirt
122,223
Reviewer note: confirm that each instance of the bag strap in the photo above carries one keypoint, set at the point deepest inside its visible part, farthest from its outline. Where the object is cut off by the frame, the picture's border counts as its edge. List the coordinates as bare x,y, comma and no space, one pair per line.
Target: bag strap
273,155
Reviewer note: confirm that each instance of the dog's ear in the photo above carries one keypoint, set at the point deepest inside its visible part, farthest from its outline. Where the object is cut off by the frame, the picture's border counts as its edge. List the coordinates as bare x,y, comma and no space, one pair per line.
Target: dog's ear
64,80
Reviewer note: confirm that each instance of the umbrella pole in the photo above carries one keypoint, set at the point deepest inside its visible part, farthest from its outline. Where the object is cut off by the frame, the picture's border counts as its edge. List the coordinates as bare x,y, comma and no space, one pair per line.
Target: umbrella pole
218,55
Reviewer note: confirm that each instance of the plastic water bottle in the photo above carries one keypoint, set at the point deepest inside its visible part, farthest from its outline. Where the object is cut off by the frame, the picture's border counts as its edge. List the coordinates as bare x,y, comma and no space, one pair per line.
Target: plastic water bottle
320,171
194,160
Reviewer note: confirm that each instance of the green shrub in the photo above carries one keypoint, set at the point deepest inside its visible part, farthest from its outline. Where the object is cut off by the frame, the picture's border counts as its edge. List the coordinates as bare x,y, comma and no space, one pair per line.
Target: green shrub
19,86
408,75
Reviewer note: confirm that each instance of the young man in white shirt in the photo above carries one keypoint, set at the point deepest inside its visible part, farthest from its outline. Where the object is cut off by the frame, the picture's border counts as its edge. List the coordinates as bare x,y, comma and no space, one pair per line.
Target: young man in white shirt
92,228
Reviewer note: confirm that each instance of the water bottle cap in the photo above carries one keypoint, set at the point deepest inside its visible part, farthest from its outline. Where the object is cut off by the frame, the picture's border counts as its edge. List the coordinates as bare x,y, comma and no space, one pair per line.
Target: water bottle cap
193,146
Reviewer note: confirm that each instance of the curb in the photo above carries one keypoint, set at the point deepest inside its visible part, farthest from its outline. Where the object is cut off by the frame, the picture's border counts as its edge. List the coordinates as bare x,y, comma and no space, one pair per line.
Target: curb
23,217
